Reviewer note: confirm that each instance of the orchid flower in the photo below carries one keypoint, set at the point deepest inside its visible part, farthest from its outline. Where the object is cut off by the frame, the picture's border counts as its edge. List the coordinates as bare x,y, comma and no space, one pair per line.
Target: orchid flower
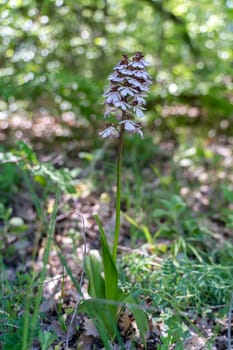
129,84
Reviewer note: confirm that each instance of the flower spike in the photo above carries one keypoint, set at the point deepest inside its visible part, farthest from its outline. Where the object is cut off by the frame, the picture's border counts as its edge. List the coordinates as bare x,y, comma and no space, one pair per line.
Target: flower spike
125,96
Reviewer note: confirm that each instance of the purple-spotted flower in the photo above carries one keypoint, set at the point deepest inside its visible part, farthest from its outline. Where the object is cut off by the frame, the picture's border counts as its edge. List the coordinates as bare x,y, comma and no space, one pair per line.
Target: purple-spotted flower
125,96
109,132
132,127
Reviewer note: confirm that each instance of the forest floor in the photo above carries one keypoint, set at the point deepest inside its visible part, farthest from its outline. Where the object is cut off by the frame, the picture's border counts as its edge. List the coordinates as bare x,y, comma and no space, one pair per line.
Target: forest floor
176,240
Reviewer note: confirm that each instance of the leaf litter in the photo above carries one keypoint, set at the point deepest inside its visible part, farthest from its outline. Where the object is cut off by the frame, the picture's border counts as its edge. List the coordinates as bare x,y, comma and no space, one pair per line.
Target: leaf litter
60,294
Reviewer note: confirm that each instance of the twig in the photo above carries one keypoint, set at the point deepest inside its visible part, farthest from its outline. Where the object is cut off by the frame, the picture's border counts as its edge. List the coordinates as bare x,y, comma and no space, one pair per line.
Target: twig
81,280
229,340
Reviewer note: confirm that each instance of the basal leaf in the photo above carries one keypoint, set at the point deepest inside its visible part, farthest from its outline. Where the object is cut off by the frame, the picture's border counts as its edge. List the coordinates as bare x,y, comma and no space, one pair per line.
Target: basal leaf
110,270
105,321
96,286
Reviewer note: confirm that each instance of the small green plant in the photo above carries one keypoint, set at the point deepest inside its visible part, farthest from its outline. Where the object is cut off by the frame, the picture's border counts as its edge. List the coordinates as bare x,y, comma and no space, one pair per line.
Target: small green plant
107,299
12,227
128,86
179,283
9,176
35,300
174,221
46,339
226,212
175,286
14,337
43,173
20,329
175,331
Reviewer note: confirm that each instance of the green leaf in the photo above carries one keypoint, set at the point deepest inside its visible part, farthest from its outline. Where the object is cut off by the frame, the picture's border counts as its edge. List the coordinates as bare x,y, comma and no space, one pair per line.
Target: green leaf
96,286
131,221
110,270
105,321
46,339
147,234
27,152
159,213
16,221
155,170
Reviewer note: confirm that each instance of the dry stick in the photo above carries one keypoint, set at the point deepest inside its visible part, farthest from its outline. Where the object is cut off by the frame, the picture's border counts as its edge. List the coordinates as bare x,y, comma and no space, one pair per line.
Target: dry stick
81,280
229,324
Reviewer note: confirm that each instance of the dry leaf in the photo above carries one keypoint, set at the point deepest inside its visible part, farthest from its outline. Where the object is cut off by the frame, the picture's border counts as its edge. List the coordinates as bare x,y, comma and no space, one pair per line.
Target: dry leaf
85,342
55,326
194,343
90,328
48,305
127,324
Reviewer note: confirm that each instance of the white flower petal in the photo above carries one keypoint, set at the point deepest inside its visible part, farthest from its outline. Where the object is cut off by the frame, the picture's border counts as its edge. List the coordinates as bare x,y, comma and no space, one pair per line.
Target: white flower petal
139,132
132,127
126,71
138,111
109,132
108,110
136,64
139,99
145,63
135,83
125,90
144,88
113,97
120,66
113,76
122,105
119,80
141,74
129,125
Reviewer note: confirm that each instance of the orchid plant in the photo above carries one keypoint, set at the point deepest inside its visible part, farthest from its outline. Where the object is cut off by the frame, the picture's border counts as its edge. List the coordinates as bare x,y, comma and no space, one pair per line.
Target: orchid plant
125,96
124,99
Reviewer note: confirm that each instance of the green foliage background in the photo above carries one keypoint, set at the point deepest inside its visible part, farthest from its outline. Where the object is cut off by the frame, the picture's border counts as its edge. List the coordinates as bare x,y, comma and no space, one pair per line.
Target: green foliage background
56,55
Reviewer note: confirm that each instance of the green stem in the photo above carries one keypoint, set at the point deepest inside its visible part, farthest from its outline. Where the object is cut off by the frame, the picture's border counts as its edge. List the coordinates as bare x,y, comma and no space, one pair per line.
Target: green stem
118,196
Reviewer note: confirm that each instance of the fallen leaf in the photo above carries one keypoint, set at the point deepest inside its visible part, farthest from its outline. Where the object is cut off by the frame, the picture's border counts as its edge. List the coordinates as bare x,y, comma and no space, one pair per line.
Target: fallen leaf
85,342
90,328
194,343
